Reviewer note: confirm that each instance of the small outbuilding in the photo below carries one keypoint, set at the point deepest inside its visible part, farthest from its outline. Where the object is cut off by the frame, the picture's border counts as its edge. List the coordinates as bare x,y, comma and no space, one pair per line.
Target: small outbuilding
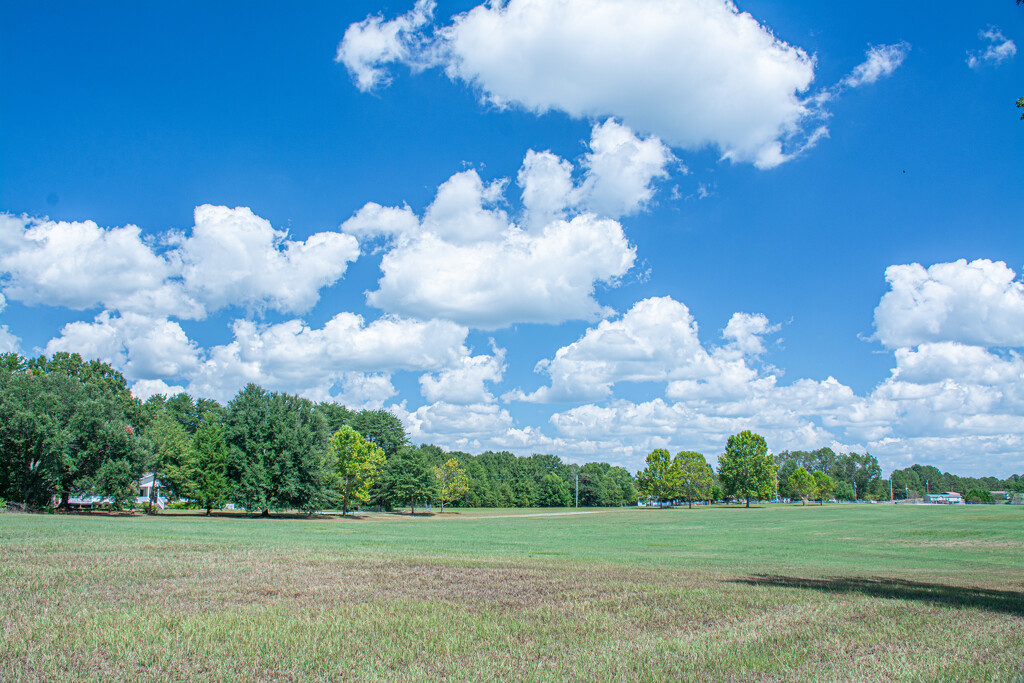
947,498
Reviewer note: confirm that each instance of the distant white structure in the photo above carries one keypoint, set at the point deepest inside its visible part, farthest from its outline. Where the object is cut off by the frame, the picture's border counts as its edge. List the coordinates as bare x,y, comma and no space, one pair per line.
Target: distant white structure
948,498
149,485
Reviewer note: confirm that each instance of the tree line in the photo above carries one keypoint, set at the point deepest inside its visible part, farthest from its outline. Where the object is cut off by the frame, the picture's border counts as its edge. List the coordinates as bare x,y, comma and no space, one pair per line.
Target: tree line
747,472
70,427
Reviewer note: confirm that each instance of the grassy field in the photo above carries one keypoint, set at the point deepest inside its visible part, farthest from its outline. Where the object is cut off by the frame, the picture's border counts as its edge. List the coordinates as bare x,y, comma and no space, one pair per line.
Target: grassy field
851,592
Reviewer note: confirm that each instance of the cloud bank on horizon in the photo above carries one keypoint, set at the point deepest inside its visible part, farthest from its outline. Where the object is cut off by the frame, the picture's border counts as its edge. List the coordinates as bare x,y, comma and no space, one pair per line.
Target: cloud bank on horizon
544,248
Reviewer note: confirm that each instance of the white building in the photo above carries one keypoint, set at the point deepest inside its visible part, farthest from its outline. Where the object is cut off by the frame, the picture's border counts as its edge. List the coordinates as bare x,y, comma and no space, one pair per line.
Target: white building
948,498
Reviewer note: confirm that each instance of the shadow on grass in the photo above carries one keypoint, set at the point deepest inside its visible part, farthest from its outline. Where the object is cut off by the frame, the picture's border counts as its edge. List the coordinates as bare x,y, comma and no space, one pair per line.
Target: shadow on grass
1008,602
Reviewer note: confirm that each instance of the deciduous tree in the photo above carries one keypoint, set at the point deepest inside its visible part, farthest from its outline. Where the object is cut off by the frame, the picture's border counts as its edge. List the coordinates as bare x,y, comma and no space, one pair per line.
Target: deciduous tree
693,476
382,428
356,464
745,469
656,481
800,484
452,482
824,485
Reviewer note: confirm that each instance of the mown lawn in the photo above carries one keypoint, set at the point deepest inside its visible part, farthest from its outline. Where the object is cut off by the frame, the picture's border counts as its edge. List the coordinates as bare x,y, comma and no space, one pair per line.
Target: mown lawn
845,592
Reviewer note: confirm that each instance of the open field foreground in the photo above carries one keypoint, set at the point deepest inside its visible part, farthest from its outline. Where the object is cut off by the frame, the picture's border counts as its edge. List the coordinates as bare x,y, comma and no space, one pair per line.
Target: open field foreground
771,593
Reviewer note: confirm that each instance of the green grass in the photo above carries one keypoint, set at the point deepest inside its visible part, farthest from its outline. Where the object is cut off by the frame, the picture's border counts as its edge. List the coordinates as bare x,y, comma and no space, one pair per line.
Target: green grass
771,593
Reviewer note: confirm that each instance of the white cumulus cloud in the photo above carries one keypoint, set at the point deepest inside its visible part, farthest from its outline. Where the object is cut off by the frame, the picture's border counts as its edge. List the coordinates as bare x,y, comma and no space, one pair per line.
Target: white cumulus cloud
142,347
80,265
291,356
465,383
234,257
145,388
979,302
655,341
695,73
231,257
373,42
468,261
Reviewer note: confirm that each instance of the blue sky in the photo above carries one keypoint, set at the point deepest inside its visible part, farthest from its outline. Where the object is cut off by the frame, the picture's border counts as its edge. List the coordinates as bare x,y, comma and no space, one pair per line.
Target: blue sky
584,227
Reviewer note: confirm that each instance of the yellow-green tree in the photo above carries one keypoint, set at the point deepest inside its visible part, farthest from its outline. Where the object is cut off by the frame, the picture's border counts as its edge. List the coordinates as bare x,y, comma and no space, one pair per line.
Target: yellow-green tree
356,463
452,482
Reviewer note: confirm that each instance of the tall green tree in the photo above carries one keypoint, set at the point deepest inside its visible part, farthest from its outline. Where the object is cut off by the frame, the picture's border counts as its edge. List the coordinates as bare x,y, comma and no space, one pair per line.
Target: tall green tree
356,463
212,487
174,458
657,480
278,444
693,476
745,469
61,420
800,484
407,479
381,428
554,492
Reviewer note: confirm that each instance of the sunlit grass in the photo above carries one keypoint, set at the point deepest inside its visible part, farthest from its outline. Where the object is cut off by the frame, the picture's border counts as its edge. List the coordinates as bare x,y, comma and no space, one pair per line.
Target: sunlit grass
771,593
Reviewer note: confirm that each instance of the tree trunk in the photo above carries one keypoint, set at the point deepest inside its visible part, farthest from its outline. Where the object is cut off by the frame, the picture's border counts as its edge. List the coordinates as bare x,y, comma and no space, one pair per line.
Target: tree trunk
689,505
265,513
208,508
412,507
748,503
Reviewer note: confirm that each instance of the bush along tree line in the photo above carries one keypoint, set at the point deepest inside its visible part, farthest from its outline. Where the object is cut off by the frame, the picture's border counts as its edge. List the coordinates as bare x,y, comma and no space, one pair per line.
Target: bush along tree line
70,428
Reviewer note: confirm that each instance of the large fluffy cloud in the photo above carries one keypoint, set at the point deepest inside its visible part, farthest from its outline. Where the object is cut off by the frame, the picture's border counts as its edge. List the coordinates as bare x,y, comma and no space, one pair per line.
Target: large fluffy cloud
315,362
981,303
545,278
232,257
694,72
469,261
143,347
655,341
80,265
